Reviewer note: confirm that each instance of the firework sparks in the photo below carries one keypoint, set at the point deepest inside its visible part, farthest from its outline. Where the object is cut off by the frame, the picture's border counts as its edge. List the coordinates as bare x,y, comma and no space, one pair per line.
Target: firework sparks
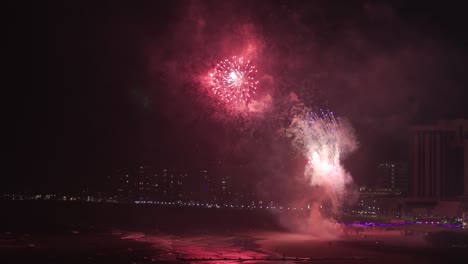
233,80
323,139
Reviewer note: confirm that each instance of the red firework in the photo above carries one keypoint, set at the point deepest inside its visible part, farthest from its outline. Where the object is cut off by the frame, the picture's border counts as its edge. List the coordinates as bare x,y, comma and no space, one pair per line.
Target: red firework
233,80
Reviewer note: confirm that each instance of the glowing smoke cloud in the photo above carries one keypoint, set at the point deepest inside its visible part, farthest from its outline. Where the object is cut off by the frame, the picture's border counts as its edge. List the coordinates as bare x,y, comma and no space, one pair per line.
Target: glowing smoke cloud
324,140
233,80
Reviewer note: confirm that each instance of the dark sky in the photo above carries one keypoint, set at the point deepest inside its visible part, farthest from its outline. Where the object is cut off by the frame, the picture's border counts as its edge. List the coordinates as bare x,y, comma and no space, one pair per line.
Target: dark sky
106,84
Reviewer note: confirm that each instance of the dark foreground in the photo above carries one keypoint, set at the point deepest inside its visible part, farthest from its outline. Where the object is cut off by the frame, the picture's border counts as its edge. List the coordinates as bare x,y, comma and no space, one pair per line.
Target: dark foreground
54,232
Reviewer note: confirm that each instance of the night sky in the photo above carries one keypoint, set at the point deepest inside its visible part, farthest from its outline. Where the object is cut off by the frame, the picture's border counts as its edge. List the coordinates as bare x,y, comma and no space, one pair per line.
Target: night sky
102,85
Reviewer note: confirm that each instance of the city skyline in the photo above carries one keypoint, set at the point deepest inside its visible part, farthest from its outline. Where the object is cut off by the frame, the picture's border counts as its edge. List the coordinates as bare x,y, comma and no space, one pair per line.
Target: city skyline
107,97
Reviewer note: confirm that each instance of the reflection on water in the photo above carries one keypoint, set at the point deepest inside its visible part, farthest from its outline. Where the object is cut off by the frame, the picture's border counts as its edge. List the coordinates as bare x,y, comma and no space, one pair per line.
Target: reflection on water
374,246
252,247
203,246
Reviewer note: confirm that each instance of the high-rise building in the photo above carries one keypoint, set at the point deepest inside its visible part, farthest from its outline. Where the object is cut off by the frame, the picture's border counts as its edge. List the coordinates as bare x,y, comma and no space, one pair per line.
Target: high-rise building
393,175
438,160
170,185
213,187
147,183
223,189
205,192
144,183
120,185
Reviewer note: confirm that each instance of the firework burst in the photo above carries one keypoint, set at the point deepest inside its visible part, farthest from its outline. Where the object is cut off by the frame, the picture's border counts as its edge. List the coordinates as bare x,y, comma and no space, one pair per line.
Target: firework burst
323,139
233,81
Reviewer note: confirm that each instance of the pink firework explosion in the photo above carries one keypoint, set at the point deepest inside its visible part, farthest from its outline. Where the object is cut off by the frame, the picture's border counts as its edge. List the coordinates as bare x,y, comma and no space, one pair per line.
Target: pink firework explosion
233,80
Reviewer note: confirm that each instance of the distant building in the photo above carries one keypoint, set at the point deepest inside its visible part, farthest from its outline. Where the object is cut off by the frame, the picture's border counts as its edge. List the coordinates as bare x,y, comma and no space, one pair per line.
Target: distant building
393,176
223,189
170,185
373,201
120,185
439,161
206,189
144,183
213,187
147,183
